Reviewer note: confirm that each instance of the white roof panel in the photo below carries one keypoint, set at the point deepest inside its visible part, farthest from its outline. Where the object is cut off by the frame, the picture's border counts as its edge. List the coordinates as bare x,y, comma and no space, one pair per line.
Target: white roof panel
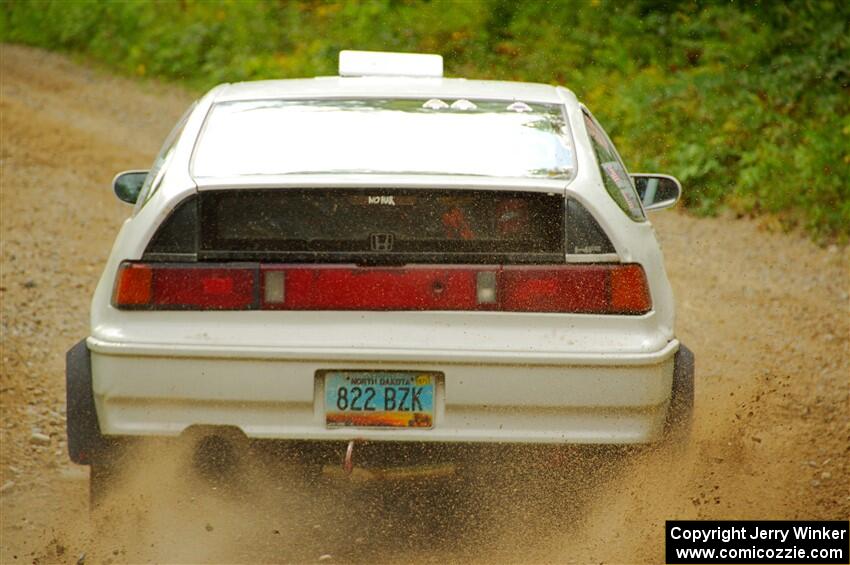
391,87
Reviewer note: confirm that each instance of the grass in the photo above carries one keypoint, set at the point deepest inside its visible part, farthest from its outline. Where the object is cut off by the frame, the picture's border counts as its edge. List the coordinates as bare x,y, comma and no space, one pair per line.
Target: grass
749,105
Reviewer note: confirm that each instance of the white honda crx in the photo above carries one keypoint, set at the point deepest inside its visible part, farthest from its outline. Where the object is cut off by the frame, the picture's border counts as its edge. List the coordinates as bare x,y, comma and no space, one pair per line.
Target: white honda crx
387,256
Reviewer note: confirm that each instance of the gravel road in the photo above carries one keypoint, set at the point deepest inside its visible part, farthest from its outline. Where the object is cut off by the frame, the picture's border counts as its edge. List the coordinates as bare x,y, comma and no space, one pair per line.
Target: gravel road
766,313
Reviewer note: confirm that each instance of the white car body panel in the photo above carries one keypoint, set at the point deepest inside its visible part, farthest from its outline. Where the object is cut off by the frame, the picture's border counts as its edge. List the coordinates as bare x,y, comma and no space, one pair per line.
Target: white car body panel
392,87
540,378
475,402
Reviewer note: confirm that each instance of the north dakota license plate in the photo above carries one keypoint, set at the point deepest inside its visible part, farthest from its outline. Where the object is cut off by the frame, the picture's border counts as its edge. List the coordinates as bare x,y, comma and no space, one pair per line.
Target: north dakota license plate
388,399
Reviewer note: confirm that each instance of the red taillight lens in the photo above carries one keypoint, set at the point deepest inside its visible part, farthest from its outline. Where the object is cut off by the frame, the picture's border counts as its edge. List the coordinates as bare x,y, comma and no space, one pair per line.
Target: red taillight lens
590,289
206,288
199,287
629,291
134,285
329,287
573,288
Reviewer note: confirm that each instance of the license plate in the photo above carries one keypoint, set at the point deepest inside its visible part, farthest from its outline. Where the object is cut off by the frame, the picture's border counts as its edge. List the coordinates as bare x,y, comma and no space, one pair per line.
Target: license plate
383,399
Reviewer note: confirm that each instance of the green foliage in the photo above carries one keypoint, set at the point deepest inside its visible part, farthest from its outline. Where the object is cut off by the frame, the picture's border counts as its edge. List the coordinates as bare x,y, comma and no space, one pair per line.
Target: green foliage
747,103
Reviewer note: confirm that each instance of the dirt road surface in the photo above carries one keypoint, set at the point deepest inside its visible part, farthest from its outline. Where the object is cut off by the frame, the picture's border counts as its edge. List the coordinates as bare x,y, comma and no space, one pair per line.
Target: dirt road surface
766,313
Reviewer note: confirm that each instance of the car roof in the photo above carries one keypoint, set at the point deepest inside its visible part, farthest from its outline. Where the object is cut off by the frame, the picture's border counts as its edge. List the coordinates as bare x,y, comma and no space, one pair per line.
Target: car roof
392,87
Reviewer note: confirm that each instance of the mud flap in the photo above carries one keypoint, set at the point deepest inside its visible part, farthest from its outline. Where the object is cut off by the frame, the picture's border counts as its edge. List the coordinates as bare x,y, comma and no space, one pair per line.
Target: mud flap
84,438
680,413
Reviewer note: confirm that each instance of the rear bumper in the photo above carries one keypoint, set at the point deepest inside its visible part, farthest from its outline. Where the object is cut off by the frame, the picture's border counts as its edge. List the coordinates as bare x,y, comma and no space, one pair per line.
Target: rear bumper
614,398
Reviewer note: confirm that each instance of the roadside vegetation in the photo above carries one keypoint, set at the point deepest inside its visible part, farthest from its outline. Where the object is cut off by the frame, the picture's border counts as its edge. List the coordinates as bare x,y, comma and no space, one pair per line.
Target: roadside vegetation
747,103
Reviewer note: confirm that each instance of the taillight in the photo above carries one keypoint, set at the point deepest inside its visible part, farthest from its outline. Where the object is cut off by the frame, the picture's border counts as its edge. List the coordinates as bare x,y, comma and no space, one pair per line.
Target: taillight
590,289
133,287
629,292
186,287
576,288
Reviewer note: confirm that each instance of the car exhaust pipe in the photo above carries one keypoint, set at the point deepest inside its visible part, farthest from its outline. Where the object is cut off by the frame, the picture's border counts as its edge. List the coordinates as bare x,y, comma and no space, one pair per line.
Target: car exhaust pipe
369,473
348,460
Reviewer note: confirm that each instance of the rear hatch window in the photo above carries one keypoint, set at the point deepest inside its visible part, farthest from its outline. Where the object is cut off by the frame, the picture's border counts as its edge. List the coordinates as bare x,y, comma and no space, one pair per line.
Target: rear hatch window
345,225
373,136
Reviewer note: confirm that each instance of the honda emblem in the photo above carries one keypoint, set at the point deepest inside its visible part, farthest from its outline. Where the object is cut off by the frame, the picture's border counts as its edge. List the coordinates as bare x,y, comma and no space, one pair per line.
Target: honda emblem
381,241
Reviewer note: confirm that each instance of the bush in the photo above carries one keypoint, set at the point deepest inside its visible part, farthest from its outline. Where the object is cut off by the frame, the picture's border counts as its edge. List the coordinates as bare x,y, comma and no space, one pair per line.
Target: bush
747,104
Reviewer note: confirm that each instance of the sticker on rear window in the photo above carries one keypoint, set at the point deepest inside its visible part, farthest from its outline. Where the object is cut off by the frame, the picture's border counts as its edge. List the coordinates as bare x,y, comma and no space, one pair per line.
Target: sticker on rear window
619,177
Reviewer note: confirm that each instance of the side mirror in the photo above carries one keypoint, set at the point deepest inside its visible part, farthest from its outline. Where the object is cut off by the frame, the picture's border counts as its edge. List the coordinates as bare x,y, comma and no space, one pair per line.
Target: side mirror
657,191
128,185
